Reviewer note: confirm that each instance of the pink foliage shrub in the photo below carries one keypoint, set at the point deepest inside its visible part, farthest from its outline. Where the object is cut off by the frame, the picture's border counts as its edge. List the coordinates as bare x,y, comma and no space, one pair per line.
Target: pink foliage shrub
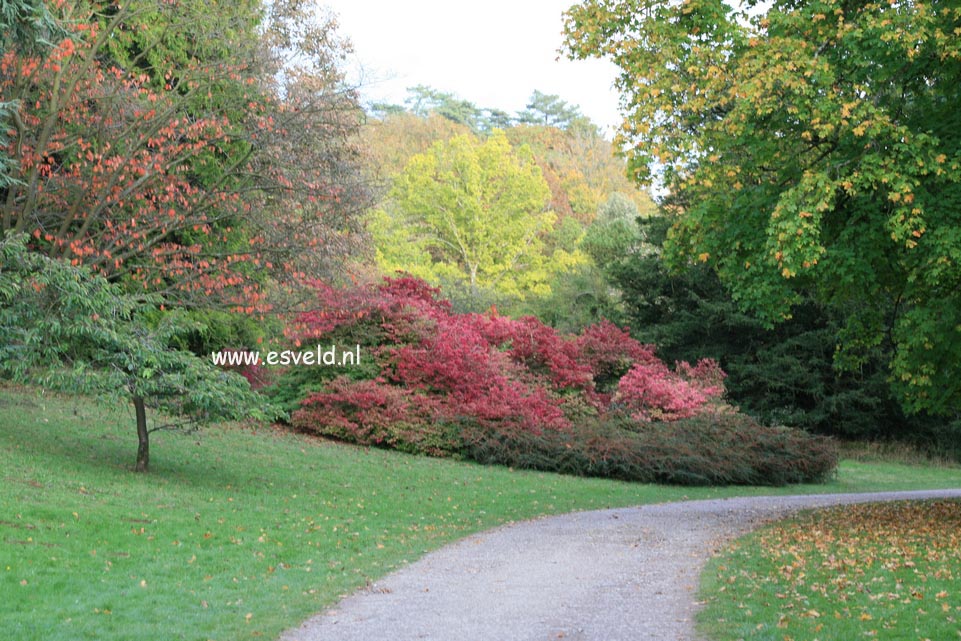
516,392
398,310
652,392
371,413
359,410
543,351
609,351
706,375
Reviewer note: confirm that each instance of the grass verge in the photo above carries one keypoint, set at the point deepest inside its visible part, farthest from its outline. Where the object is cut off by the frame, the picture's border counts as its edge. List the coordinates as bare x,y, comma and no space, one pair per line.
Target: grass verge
238,533
883,571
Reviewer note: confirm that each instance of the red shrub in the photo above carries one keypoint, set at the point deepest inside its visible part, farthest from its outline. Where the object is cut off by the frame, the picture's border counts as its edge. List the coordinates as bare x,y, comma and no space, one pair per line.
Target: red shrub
358,408
516,392
397,310
416,293
435,372
474,379
609,352
372,413
542,350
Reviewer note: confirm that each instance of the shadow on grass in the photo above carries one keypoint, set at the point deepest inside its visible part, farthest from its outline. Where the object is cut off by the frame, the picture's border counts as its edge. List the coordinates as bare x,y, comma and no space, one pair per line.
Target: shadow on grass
71,434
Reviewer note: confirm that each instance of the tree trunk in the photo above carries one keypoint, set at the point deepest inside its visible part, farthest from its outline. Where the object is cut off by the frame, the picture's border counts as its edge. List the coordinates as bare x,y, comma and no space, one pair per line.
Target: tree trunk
473,287
143,437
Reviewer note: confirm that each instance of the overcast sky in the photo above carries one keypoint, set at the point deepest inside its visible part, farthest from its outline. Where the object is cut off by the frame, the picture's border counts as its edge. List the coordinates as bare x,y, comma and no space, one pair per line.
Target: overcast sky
494,53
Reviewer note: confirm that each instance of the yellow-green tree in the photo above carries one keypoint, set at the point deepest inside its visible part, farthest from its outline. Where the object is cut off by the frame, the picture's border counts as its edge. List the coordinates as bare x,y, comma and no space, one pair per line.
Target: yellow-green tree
472,211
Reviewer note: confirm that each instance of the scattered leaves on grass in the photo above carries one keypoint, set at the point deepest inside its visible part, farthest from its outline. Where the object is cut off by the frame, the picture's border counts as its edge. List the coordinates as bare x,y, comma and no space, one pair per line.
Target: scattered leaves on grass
877,570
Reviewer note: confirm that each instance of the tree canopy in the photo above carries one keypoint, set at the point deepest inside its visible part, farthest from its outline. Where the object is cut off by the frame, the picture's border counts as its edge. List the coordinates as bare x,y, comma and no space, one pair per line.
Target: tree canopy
582,170
551,111
548,110
810,148
474,211
28,26
185,151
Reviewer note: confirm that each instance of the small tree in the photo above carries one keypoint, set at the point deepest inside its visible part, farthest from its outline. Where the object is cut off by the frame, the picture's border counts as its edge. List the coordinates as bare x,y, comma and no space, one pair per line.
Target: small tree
62,326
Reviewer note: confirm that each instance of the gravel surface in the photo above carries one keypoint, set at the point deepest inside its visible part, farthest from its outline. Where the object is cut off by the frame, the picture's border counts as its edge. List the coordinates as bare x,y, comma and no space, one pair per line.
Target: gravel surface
608,575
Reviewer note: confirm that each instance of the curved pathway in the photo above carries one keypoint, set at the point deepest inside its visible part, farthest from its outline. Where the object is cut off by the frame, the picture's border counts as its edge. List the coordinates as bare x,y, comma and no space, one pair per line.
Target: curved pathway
608,575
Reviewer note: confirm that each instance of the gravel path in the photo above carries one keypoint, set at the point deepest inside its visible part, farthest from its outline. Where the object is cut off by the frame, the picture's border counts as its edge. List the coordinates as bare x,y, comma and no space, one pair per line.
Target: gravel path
609,575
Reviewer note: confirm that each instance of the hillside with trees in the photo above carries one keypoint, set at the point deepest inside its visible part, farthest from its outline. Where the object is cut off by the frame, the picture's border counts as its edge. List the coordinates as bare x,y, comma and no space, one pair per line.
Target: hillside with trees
264,341
178,182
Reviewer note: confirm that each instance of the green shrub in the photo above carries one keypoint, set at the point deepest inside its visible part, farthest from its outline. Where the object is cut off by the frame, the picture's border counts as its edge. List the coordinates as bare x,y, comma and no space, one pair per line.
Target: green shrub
713,448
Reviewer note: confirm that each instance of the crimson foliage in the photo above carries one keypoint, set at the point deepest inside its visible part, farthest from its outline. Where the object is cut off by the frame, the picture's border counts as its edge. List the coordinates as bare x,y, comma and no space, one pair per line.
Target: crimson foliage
492,387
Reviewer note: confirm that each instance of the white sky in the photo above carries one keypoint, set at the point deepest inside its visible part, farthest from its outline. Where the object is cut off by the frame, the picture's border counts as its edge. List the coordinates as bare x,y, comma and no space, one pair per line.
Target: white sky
493,53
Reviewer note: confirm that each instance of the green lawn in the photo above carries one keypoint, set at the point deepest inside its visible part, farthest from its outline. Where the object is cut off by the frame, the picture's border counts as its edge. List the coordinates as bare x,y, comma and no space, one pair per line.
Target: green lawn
239,533
881,571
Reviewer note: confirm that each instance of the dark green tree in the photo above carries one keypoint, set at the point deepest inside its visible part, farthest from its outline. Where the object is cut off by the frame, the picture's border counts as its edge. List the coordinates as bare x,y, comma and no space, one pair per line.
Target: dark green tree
550,111
613,236
813,149
495,119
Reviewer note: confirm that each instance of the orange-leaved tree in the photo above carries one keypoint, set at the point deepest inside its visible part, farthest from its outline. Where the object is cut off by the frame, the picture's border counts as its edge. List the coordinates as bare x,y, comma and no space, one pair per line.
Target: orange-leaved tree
180,150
